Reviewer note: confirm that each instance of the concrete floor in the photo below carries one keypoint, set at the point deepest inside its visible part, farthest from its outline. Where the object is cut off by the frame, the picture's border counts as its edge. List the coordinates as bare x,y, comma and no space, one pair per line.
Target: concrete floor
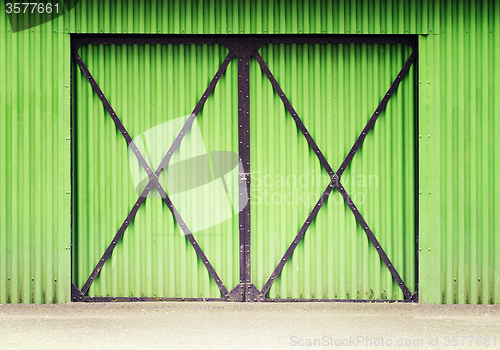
220,325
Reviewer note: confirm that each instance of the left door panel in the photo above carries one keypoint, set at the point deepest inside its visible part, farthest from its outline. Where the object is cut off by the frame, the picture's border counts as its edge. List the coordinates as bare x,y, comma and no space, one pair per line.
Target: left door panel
153,89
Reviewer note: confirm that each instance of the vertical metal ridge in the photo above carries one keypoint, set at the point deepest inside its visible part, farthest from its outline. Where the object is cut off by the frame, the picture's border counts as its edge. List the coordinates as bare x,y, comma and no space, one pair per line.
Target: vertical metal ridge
5,131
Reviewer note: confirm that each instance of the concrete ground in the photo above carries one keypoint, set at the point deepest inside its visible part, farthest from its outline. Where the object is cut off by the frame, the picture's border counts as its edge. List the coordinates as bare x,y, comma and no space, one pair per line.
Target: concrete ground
220,325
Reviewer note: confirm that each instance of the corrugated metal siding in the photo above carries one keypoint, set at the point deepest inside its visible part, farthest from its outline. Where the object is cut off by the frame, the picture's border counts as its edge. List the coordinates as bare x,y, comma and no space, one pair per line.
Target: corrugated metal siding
334,89
245,17
147,86
34,169
460,156
458,109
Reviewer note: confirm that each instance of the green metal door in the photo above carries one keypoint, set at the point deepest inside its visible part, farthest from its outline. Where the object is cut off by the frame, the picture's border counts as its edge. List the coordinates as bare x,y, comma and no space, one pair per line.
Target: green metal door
334,89
148,86
309,147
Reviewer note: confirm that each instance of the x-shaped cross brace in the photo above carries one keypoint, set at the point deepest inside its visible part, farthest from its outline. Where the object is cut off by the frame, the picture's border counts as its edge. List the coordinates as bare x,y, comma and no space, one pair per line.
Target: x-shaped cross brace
335,176
153,176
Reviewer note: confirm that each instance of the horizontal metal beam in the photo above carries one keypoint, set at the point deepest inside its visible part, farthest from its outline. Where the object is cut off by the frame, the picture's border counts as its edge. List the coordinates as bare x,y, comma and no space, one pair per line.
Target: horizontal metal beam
139,299
86,299
210,39
374,301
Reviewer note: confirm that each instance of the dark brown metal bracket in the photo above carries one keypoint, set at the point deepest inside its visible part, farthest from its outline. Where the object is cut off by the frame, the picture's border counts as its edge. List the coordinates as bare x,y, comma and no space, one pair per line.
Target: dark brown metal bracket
76,294
152,176
246,292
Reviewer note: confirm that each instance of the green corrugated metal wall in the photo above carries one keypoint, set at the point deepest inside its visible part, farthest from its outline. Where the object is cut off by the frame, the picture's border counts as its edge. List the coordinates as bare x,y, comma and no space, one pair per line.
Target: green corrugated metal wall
460,156
245,17
35,181
459,165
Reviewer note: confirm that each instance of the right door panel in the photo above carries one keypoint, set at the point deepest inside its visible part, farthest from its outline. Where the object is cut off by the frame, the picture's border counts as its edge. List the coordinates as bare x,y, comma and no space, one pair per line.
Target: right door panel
335,89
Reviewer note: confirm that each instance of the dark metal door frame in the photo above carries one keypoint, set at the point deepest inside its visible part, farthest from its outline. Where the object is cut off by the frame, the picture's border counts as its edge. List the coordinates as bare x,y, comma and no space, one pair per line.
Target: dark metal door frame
243,47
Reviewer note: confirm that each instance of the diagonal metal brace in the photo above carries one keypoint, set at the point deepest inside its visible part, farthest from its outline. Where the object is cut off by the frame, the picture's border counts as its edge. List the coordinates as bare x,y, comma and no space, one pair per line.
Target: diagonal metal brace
376,114
294,114
298,238
336,176
374,240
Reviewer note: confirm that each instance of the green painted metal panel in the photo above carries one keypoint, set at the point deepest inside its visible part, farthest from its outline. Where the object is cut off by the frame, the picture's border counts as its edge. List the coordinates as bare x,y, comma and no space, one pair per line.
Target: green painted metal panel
245,17
147,86
458,108
459,157
334,89
35,198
